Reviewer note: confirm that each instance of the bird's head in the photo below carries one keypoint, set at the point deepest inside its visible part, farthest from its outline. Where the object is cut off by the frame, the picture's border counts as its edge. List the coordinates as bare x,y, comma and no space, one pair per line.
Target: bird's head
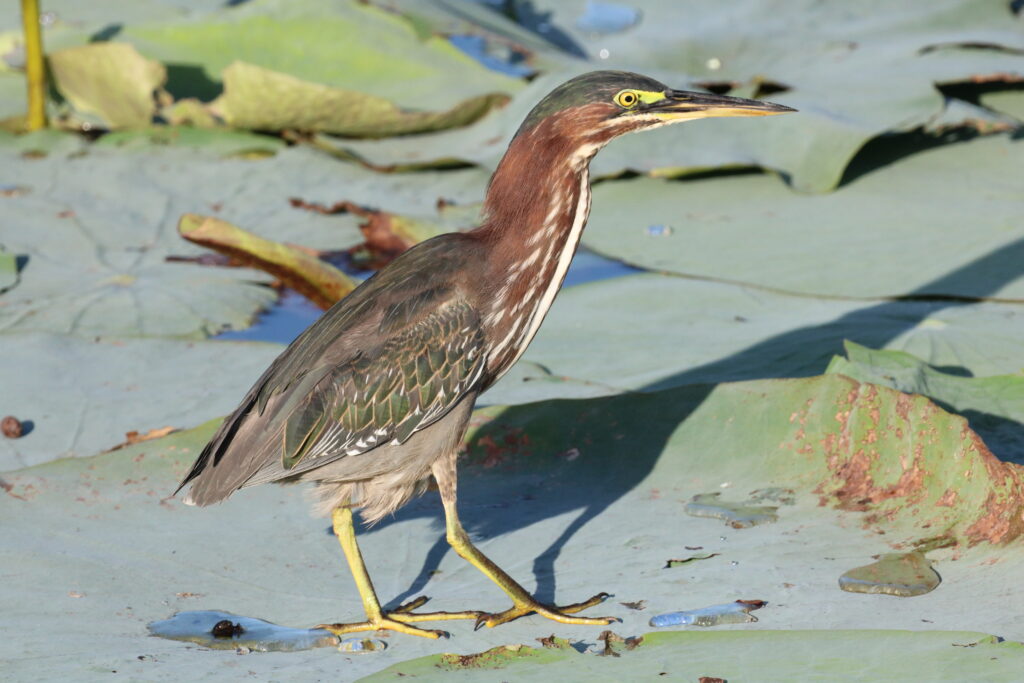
596,107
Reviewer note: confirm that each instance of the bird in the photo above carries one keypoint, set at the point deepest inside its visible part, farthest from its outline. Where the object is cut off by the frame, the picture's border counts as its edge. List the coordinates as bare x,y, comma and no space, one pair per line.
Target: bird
374,398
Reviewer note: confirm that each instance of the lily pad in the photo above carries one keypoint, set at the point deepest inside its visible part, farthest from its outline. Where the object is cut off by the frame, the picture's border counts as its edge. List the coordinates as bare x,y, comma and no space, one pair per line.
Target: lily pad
110,81
228,143
665,332
346,45
859,73
857,76
872,238
766,655
97,229
530,506
82,396
262,99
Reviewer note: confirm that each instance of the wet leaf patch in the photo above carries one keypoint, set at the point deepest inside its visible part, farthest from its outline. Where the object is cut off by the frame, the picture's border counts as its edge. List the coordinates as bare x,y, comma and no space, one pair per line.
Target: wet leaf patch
901,574
738,612
736,515
225,631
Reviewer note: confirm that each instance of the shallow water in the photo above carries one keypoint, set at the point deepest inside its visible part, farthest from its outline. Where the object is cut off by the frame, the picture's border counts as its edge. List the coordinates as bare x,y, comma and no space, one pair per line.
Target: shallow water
901,574
736,515
728,613
248,633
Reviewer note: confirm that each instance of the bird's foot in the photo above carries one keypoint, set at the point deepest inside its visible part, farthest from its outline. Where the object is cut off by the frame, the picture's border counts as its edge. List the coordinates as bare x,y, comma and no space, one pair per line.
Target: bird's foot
562,614
399,620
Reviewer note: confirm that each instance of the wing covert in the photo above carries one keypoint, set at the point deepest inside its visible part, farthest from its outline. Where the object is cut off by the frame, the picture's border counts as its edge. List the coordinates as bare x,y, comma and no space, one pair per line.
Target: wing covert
408,382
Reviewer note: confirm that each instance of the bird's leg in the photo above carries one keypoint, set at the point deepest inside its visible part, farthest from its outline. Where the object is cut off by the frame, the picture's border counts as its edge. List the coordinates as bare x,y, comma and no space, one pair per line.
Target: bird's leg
522,602
376,618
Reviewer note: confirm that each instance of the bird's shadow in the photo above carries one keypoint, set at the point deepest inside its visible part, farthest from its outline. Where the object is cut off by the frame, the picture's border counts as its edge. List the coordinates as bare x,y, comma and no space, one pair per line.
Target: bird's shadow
493,504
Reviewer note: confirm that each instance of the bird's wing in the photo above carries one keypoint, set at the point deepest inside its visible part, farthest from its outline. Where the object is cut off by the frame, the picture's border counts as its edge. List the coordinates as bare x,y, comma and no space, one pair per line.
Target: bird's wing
362,377
413,379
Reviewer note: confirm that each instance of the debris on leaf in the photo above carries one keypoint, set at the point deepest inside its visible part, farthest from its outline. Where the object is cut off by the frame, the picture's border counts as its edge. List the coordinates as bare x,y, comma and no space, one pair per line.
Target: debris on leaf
495,658
134,437
225,628
686,560
553,642
320,282
613,642
387,234
738,612
638,605
361,645
11,427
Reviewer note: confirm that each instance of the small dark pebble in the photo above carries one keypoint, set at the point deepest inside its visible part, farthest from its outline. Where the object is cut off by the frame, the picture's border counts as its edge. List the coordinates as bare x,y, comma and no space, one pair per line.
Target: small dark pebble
11,427
226,629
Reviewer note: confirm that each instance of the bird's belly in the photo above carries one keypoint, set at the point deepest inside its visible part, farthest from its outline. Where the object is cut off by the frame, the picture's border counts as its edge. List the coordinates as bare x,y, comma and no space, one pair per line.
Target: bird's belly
383,479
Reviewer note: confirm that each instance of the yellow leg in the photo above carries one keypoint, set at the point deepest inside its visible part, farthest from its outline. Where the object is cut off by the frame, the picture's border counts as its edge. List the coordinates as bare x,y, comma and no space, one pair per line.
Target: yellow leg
522,602
376,618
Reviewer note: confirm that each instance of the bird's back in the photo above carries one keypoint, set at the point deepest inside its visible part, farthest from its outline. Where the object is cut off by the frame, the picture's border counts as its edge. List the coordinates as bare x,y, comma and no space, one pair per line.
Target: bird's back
387,360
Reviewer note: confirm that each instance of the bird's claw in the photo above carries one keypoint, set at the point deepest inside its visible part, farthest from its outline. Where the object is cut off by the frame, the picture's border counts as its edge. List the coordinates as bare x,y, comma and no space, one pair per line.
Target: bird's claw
562,614
382,623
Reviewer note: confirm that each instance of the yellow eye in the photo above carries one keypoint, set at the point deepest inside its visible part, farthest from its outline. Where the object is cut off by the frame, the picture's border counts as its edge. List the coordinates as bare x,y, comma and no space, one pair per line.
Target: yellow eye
627,99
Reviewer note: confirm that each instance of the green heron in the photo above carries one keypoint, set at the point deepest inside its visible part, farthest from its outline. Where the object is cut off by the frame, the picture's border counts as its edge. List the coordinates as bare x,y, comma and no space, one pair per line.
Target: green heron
375,397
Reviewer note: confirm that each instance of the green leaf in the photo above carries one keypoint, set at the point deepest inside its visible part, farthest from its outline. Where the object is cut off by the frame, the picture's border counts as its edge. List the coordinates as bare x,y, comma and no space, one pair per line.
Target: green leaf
863,655
344,45
994,406
111,81
1009,102
262,99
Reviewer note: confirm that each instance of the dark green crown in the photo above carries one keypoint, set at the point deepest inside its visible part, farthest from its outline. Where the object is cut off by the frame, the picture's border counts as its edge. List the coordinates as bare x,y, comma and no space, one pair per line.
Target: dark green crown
595,86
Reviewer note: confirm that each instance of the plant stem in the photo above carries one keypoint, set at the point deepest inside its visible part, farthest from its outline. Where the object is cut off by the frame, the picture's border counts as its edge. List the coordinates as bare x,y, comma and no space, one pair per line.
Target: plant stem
34,69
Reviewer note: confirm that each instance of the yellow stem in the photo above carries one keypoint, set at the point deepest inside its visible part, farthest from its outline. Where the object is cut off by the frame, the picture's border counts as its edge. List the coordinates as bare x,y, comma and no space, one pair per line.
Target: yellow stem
34,70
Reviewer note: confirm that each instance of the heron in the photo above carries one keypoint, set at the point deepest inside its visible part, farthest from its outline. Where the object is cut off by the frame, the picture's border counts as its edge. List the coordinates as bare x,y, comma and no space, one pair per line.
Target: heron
375,397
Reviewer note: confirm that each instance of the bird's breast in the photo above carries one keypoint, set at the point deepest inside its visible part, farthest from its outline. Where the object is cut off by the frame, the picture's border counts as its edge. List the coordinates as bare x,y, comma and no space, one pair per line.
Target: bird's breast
532,279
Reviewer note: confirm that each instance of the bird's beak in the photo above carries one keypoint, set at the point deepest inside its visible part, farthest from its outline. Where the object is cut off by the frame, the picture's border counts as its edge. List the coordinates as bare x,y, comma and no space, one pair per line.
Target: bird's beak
681,105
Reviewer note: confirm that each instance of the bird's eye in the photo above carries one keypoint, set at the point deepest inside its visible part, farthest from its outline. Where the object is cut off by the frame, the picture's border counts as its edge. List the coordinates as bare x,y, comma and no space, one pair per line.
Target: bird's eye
627,99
